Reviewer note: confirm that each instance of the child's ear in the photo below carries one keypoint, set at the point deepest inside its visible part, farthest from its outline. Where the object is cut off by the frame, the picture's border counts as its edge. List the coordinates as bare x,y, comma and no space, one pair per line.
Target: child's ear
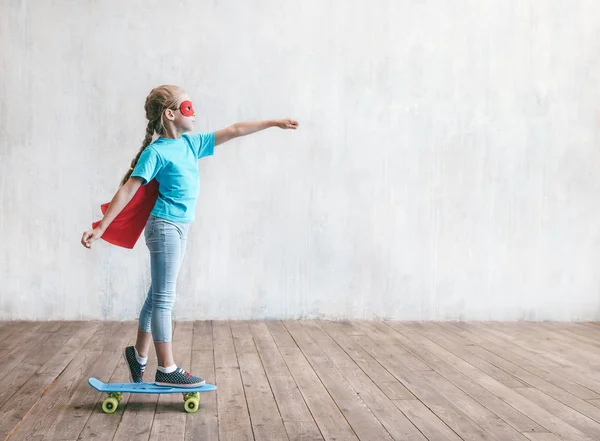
170,114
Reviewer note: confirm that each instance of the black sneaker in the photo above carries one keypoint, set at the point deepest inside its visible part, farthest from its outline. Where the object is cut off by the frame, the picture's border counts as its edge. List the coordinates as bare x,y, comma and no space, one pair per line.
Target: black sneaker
136,370
178,378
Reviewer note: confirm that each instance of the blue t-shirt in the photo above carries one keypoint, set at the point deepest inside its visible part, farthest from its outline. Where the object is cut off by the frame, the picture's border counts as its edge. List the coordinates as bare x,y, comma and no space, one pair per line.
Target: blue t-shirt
174,164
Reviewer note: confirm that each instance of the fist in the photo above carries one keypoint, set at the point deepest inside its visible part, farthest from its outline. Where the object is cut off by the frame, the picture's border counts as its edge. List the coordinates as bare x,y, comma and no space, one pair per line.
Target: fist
287,124
90,237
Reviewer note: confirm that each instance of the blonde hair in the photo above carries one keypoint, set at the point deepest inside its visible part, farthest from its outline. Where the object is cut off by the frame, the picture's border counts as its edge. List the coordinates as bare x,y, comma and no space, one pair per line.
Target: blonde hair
160,99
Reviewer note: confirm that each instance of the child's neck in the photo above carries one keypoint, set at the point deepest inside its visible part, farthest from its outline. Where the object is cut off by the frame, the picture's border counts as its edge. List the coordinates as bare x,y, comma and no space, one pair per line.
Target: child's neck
172,133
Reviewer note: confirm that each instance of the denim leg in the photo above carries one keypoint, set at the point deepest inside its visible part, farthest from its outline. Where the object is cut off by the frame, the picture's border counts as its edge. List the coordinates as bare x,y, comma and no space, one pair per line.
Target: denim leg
164,241
146,313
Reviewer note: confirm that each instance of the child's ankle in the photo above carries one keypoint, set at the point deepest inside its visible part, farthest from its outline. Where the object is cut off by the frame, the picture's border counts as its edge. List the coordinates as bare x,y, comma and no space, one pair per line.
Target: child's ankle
141,360
167,370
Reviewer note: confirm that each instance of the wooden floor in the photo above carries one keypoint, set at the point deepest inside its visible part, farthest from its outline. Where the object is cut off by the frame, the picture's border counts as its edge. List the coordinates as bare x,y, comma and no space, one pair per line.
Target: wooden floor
311,380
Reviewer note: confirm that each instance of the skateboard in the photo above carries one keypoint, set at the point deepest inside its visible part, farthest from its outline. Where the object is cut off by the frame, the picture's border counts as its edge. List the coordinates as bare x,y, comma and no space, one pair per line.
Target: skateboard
191,395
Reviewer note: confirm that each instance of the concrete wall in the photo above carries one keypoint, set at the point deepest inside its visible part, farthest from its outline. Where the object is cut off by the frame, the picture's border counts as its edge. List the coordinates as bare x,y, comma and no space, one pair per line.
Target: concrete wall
447,164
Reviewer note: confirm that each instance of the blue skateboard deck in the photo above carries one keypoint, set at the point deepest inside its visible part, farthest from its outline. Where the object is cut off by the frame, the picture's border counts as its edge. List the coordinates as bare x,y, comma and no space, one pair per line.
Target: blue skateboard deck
145,388
191,395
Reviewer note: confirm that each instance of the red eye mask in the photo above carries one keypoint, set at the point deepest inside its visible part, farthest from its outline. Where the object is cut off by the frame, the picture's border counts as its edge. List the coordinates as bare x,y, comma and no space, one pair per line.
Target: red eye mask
186,108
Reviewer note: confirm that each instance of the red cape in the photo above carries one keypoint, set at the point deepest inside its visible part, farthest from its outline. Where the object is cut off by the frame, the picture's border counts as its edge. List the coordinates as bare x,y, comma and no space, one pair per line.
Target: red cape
126,228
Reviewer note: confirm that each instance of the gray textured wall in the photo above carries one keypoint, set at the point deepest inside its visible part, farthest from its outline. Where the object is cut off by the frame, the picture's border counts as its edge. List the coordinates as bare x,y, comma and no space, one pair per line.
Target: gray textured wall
446,166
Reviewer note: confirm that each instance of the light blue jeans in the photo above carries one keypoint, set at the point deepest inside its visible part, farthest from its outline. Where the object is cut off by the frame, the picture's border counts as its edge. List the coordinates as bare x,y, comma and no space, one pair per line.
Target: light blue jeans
166,241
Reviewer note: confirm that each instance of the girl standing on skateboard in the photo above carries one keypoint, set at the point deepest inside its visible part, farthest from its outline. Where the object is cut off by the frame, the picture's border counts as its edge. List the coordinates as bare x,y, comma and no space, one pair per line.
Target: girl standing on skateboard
172,161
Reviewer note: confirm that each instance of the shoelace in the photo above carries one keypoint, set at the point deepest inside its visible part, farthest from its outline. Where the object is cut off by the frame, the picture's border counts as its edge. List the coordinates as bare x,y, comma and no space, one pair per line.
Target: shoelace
186,373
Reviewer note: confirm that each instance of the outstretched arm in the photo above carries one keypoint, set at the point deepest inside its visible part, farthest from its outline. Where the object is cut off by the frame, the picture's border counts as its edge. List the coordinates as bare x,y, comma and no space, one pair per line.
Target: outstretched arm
248,127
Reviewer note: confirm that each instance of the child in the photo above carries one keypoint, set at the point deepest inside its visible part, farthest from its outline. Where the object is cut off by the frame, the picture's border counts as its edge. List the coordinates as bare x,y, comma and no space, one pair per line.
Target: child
171,160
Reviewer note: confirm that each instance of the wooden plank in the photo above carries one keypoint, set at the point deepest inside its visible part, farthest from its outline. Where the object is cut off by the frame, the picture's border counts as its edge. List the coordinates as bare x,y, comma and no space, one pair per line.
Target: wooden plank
70,420
577,332
106,331
562,394
449,413
553,335
22,333
357,413
391,360
8,329
565,413
486,333
392,419
289,399
234,420
555,363
426,421
102,427
497,406
18,376
443,339
39,414
484,418
303,431
470,420
53,326
594,402
22,346
204,424
589,328
30,392
524,369
298,421
24,402
527,359
554,345
282,337
327,415
380,342
350,328
543,437
264,414
540,347
57,363
388,384
274,364
516,400
12,330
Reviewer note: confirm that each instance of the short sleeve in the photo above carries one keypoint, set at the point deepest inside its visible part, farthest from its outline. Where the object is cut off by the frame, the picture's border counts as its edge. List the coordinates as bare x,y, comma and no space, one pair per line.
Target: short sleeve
148,165
204,144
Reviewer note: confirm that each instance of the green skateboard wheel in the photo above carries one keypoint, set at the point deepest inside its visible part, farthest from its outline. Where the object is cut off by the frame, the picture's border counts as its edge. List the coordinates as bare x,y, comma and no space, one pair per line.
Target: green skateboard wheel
110,405
191,405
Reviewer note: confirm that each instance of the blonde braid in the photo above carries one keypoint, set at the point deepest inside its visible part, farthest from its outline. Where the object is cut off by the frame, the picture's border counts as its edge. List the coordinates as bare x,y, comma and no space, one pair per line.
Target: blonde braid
146,143
159,99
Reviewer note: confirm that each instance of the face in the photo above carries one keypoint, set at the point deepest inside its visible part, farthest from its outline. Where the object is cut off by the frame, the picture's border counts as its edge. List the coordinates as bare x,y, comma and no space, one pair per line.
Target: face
184,116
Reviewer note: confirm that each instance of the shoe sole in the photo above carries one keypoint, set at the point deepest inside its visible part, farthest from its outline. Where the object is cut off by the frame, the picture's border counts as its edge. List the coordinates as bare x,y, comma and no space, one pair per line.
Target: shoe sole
183,386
